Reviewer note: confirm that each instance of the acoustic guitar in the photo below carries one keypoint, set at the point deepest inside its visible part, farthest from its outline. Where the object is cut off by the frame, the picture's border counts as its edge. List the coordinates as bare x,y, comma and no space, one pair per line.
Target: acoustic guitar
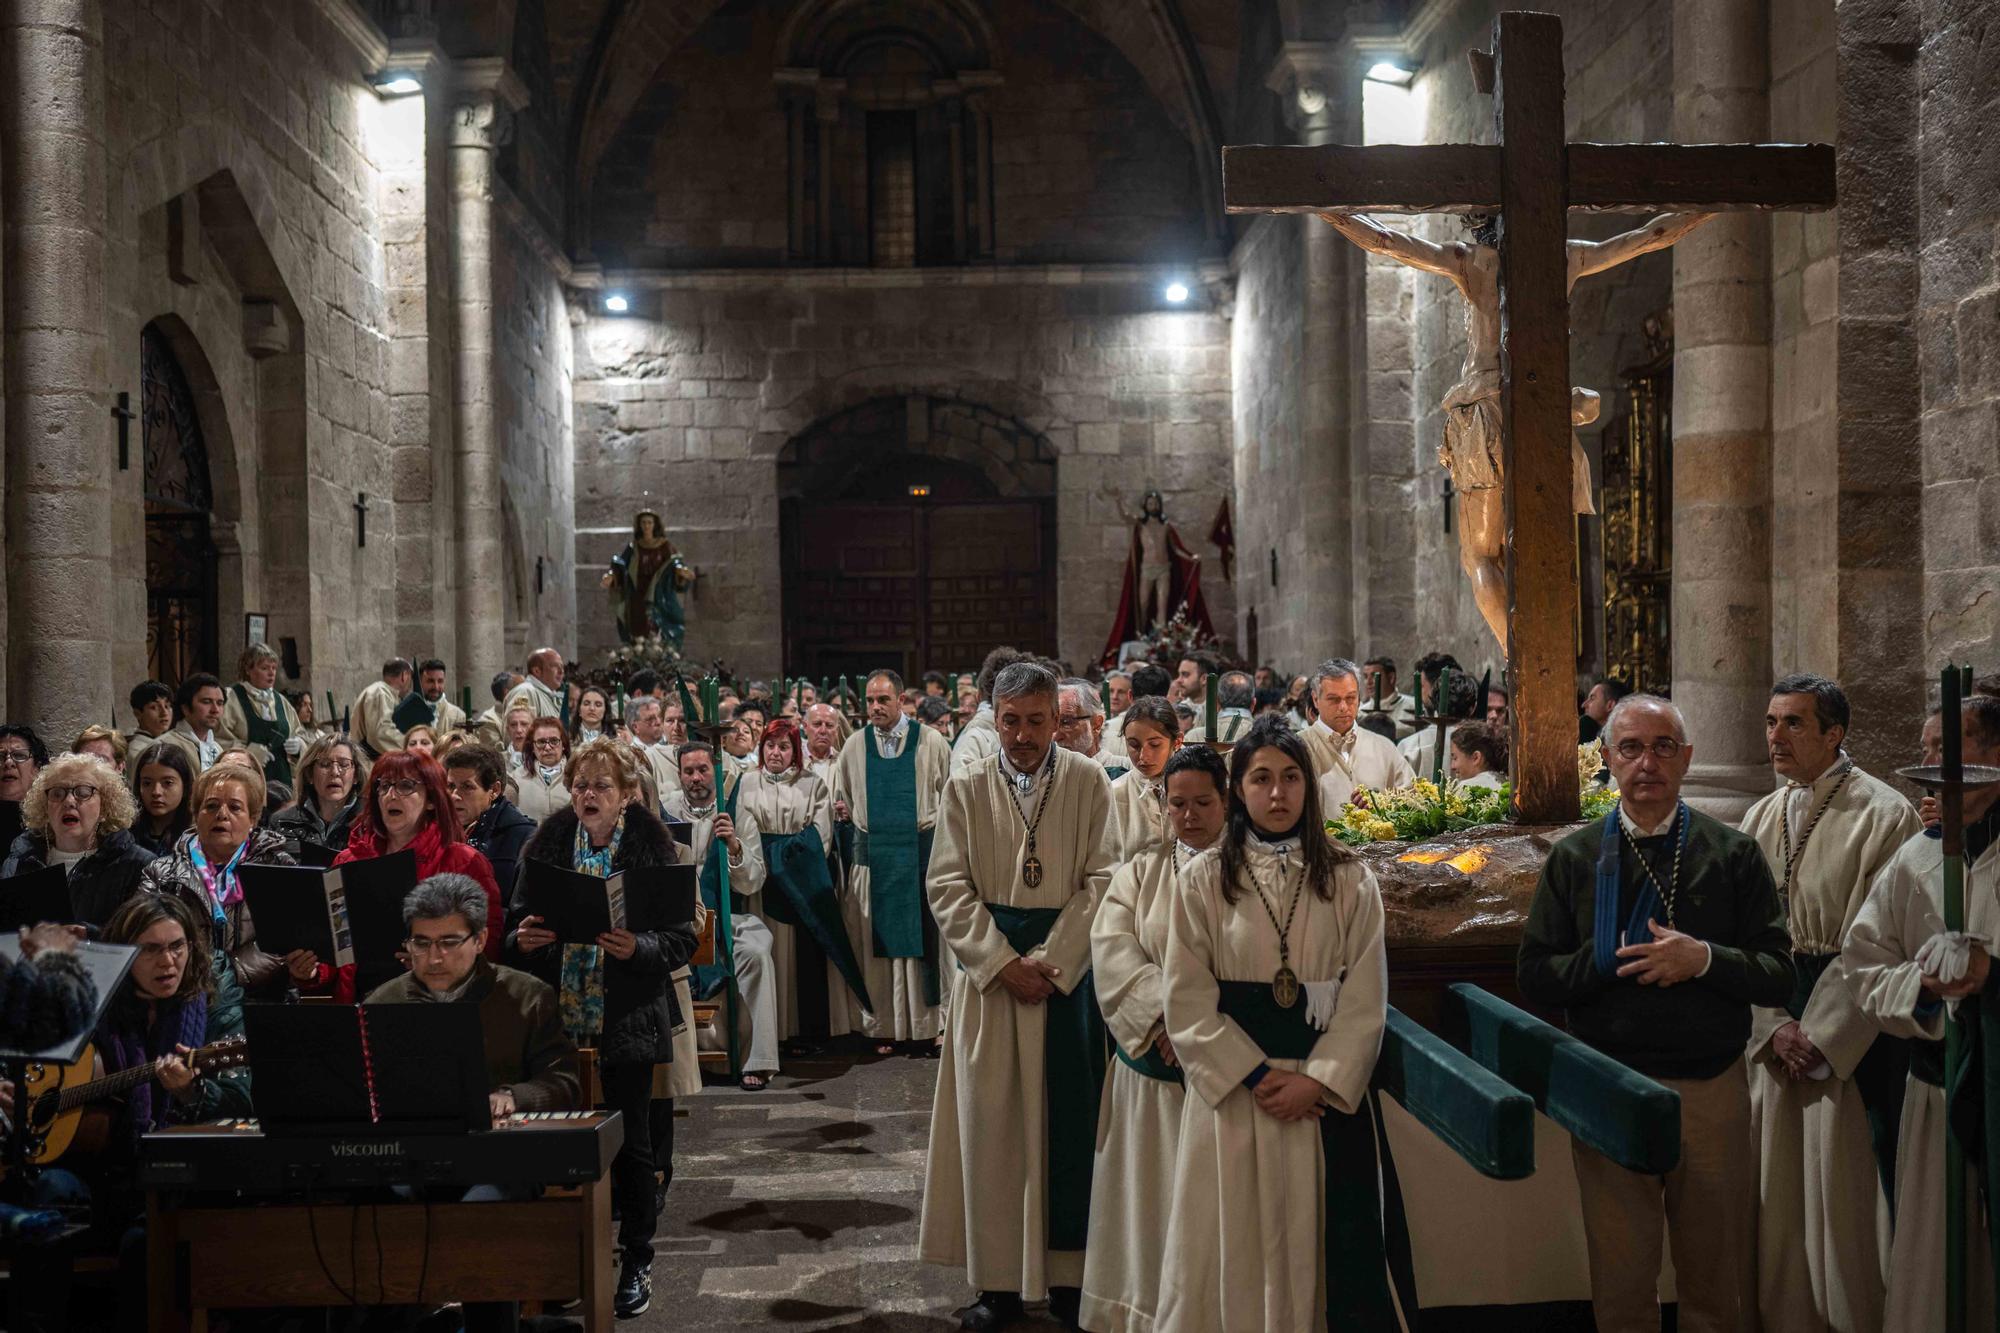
57,1106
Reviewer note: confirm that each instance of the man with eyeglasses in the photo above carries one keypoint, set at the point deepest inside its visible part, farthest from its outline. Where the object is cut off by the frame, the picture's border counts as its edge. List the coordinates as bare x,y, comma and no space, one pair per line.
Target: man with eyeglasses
1079,717
22,756
1658,930
1826,1084
531,1063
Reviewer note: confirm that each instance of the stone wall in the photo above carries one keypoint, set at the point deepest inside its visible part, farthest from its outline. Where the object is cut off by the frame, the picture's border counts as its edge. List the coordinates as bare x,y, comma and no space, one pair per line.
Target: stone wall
289,127
1958,306
1086,165
535,422
684,405
1275,480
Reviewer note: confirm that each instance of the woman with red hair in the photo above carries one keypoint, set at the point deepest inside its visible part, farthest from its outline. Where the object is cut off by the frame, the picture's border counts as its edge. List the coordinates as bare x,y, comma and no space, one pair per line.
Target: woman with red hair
407,806
820,987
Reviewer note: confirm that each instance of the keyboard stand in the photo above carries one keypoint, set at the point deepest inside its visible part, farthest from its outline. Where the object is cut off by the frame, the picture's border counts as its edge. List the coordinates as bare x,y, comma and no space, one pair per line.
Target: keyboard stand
239,1253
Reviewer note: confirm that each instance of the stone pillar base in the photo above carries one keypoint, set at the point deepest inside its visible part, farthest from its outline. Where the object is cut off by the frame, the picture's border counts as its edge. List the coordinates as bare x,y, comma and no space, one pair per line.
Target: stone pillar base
1727,791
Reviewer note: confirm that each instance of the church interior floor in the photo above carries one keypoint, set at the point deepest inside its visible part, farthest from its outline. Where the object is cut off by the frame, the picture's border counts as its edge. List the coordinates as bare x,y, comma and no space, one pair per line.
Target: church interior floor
797,1207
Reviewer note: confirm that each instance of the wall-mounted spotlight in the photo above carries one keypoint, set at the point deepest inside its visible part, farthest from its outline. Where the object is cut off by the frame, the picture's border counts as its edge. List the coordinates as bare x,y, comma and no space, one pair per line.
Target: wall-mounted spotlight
1387,71
1176,292
617,304
397,83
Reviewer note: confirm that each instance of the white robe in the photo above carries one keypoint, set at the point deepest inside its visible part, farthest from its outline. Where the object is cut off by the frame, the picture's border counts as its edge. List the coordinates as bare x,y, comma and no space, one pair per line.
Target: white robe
1138,820
1245,1238
1111,744
787,807
986,1176
1131,1191
749,936
895,985
1905,907
1419,750
1822,1220
373,719
979,740
536,697
1374,764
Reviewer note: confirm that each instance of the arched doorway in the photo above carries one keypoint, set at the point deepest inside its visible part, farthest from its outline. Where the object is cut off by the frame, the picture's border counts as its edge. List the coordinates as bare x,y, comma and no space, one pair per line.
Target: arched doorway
180,550
917,533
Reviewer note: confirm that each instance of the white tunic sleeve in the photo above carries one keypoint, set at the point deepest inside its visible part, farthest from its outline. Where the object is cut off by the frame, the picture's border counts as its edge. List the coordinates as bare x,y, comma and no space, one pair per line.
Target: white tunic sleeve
963,922
1343,1059
1129,989
1881,946
1067,949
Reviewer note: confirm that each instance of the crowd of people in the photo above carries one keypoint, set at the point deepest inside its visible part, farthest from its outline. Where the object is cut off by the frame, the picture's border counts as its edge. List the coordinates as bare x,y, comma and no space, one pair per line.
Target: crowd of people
1024,872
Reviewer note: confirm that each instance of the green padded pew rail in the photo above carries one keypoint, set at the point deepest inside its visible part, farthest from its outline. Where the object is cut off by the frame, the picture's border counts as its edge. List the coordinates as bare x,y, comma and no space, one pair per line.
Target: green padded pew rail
1624,1115
1475,1112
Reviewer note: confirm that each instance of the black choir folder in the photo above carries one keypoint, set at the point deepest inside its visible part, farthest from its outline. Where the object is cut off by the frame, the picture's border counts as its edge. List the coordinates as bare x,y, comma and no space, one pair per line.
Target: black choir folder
343,915
35,896
579,907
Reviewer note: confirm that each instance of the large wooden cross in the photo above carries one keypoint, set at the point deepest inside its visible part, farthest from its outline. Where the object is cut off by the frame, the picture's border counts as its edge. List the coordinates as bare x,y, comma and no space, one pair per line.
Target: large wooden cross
1532,178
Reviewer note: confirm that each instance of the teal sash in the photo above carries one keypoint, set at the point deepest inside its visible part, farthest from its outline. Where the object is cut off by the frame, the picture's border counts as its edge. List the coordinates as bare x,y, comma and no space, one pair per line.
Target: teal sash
710,978
898,856
1367,1234
1150,1064
1073,1067
796,864
271,735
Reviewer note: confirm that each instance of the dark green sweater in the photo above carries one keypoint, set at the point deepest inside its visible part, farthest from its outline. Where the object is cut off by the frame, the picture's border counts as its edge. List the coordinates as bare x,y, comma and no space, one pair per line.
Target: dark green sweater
526,1048
1692,1030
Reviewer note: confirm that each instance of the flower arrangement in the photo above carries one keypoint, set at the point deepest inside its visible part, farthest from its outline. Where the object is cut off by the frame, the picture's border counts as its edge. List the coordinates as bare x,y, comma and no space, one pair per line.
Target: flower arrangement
1426,810
1177,638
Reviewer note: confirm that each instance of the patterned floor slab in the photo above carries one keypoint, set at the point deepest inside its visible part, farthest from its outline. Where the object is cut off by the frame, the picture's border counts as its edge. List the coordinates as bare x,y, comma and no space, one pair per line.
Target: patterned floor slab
797,1207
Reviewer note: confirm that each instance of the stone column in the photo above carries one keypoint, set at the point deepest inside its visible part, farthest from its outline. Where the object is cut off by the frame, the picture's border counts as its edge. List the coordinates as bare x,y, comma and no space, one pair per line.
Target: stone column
1321,95
485,96
1722,421
58,427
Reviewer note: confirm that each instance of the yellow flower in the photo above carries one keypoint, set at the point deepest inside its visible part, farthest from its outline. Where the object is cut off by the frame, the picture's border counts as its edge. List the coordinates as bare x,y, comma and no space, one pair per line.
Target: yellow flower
1382,830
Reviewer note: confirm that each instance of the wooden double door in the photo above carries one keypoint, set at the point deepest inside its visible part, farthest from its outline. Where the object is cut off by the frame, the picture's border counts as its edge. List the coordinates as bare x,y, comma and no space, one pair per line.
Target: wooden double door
915,586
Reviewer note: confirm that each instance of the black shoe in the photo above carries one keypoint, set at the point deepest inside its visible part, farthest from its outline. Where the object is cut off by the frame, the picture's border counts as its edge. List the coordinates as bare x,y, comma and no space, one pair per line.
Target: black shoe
635,1290
993,1310
1065,1305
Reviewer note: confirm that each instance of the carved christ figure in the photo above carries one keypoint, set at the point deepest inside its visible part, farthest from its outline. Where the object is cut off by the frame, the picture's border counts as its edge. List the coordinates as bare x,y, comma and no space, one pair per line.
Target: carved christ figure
1471,450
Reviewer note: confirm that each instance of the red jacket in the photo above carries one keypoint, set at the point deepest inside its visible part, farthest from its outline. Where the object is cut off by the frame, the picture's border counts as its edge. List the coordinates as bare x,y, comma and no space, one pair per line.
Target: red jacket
435,856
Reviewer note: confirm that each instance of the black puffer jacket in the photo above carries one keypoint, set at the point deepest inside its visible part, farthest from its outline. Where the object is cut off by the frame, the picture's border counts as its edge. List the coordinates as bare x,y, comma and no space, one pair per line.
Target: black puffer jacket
300,822
99,883
640,1013
263,975
499,835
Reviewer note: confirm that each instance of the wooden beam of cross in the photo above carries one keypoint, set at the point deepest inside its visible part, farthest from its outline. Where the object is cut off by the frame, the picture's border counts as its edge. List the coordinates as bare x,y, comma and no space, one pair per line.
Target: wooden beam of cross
1532,179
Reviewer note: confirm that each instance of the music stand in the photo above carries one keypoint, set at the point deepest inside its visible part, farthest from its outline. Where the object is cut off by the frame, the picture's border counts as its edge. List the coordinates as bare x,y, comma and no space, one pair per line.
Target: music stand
107,965
374,1069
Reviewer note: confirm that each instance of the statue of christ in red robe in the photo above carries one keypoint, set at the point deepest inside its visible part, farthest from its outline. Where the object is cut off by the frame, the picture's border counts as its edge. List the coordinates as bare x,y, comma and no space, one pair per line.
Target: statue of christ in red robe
1161,577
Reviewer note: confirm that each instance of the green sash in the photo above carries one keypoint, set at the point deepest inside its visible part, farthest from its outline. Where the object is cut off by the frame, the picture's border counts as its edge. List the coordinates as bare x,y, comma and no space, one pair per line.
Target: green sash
1073,1065
1150,1064
271,735
796,864
898,856
710,978
1367,1235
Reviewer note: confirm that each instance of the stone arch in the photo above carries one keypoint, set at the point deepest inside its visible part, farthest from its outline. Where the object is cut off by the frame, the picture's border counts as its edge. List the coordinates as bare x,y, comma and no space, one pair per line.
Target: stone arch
990,450
634,40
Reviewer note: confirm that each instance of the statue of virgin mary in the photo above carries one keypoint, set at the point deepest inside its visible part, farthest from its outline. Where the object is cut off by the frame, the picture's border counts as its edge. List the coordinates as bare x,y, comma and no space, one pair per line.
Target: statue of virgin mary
646,581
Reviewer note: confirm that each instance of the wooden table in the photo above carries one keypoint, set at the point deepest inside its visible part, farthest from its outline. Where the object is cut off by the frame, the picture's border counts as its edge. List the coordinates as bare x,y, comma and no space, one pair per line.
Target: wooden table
202,1256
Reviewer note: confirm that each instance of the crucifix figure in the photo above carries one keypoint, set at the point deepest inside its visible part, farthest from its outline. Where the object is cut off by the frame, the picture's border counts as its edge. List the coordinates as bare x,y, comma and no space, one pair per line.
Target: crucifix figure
1471,451
125,416
1530,179
360,518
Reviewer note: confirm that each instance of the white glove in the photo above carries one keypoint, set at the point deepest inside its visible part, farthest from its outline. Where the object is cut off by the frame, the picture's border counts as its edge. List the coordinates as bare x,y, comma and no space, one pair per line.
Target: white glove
1948,954
1321,997
293,745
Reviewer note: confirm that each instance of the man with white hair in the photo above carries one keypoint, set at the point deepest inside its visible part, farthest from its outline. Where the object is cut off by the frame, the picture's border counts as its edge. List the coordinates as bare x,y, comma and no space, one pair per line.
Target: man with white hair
1119,696
1346,756
1658,931
1079,717
821,725
649,738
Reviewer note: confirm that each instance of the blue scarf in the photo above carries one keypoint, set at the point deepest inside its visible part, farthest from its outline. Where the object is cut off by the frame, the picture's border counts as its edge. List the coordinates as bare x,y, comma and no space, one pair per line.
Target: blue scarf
1604,917
580,998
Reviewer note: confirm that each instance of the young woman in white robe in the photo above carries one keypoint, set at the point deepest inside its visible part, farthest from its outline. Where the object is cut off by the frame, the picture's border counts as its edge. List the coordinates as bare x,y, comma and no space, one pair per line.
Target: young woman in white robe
1280,1174
1139,797
1139,1122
